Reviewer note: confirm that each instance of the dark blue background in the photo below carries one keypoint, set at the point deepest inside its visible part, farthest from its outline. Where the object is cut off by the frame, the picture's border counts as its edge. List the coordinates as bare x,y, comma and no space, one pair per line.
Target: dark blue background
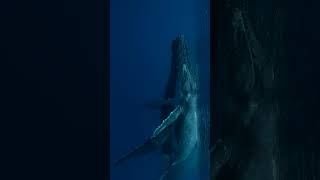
141,33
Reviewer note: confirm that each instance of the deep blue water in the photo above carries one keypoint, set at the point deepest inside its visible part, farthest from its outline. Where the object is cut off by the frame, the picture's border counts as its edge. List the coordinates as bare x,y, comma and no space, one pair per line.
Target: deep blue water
141,32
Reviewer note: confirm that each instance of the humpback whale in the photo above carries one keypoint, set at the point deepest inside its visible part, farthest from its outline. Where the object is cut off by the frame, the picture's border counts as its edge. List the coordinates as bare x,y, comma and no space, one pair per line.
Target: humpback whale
178,135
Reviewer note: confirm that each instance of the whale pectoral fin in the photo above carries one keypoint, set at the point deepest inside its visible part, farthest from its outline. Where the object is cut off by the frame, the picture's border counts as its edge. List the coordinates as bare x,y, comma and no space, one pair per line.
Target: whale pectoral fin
146,148
152,145
173,116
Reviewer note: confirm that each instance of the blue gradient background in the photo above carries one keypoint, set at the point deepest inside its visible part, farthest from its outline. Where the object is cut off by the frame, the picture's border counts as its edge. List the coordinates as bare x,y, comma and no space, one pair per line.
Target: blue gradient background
141,32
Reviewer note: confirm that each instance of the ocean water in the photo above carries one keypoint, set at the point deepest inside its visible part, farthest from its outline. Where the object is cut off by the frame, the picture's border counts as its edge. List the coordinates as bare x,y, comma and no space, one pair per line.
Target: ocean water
141,33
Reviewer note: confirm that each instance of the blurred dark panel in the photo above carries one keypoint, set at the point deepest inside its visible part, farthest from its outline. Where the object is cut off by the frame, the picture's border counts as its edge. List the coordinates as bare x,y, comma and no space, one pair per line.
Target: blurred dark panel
52,88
